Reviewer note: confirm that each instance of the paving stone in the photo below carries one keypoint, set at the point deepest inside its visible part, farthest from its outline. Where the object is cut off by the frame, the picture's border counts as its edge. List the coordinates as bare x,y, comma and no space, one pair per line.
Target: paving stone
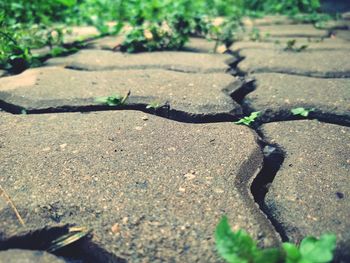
346,16
310,193
275,92
80,33
281,43
302,30
2,73
335,24
194,45
268,20
28,256
54,87
176,61
106,43
342,34
329,64
152,189
200,45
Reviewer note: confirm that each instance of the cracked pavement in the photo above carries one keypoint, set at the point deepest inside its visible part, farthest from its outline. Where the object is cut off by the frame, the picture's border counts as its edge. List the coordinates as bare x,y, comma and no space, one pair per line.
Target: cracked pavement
152,187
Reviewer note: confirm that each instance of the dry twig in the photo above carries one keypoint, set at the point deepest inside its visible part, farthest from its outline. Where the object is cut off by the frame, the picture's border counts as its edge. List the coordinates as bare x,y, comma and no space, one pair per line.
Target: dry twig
12,205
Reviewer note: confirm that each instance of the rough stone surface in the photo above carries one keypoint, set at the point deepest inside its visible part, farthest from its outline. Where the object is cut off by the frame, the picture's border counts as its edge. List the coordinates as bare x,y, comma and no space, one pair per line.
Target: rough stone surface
281,44
308,63
275,92
302,30
200,45
152,189
176,61
342,34
335,24
2,73
346,16
28,256
106,43
80,33
194,45
268,20
310,193
54,87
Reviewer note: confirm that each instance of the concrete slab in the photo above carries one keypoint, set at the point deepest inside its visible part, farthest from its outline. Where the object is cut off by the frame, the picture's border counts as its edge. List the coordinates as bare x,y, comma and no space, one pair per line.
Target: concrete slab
28,256
310,193
280,92
268,20
175,61
151,188
335,24
301,30
2,73
326,64
281,44
105,43
200,45
342,34
54,87
79,33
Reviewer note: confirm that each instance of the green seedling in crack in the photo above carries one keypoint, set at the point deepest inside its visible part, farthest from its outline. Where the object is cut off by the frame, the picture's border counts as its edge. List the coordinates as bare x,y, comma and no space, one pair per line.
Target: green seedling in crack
115,100
255,35
291,46
302,111
154,105
239,247
249,119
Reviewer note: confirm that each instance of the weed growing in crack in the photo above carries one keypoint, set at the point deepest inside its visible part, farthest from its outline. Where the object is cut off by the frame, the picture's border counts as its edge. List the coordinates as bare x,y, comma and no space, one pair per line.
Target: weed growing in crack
249,119
291,46
115,100
239,247
255,35
302,111
154,105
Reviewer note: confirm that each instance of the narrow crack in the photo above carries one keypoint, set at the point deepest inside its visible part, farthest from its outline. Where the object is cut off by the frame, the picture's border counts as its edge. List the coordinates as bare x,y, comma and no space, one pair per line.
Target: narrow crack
273,159
165,111
273,154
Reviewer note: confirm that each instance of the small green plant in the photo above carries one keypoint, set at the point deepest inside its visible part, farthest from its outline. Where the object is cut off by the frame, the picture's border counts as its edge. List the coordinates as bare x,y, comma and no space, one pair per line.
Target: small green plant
239,247
248,119
115,100
154,105
291,46
311,250
255,35
302,111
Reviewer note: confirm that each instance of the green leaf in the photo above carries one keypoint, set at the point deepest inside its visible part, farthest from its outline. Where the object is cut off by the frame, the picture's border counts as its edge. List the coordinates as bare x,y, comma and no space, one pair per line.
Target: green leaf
67,3
154,105
114,100
271,255
236,247
249,119
292,252
302,111
318,250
